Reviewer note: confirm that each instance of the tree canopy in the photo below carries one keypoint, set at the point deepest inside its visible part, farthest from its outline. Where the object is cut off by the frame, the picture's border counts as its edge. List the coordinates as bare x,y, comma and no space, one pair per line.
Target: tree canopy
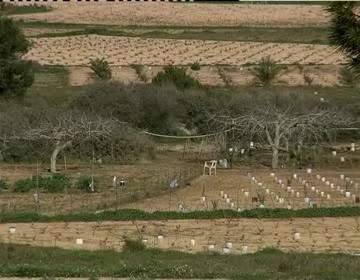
16,75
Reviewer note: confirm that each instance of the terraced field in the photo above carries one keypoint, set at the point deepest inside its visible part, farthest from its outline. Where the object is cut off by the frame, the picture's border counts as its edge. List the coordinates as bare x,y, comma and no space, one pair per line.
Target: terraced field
78,50
178,14
330,235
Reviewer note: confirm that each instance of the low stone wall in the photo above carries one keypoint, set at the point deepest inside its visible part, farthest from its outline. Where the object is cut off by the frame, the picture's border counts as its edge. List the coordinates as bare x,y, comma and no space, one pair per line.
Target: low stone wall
300,234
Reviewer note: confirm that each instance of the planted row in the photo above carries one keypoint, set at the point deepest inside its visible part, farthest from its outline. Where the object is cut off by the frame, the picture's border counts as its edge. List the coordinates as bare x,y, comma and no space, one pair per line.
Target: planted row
136,214
54,183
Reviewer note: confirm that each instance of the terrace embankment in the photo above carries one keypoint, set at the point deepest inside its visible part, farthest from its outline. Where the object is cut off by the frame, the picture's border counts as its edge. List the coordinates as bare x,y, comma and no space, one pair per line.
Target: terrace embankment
314,235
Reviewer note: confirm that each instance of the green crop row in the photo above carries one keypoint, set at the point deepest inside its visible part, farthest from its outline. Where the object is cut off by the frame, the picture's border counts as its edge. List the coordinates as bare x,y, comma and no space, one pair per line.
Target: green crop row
135,214
54,183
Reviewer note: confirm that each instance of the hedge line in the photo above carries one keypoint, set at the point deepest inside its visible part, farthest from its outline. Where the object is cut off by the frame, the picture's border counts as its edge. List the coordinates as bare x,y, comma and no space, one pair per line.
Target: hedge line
135,214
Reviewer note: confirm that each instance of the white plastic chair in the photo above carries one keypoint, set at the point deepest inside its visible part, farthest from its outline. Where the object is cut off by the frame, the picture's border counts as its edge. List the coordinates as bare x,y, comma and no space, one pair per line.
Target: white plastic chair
210,165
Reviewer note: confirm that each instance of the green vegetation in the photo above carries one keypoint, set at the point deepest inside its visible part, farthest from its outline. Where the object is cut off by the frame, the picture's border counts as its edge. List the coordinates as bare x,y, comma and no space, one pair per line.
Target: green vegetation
176,76
133,245
348,77
135,214
101,68
304,35
10,9
16,75
195,66
345,30
55,183
269,264
159,109
140,71
3,184
51,86
84,183
266,72
24,185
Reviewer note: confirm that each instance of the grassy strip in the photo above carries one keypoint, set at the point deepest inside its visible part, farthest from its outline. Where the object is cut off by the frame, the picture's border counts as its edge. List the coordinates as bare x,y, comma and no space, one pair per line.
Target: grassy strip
310,35
10,9
27,261
64,25
135,214
51,85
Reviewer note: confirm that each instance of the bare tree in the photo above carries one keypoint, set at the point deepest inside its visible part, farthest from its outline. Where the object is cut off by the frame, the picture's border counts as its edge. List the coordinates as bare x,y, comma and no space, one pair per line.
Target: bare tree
278,122
68,129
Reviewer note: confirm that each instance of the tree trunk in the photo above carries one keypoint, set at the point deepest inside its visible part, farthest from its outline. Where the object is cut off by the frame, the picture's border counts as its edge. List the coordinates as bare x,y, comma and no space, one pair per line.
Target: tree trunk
275,158
58,148
287,147
275,145
53,158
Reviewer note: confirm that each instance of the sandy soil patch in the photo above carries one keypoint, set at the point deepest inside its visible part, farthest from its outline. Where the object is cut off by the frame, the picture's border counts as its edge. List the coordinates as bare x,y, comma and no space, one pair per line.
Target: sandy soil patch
123,13
78,50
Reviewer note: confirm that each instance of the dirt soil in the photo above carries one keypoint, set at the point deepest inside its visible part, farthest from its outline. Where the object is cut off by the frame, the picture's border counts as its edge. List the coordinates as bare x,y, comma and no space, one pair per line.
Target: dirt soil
180,14
241,191
78,50
236,183
325,235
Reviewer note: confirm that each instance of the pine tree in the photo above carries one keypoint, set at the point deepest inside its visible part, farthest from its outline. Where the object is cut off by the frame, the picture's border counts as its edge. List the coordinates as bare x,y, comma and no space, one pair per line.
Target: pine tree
16,74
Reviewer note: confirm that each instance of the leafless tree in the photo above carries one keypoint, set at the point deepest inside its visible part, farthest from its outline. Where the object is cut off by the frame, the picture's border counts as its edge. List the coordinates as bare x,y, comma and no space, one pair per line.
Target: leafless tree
68,129
278,122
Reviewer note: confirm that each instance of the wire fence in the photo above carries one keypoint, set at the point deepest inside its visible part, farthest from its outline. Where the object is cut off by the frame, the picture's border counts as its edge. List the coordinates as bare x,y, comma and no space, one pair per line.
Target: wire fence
107,196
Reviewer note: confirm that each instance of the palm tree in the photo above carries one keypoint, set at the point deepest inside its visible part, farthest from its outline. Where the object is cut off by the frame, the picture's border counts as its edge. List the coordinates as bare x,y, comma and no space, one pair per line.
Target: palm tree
348,77
345,30
266,72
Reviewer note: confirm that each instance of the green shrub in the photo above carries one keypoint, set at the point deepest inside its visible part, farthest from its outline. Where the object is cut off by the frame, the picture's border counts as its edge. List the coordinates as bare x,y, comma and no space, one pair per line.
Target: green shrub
84,183
3,184
56,183
270,250
266,72
176,76
195,66
101,68
132,245
24,185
